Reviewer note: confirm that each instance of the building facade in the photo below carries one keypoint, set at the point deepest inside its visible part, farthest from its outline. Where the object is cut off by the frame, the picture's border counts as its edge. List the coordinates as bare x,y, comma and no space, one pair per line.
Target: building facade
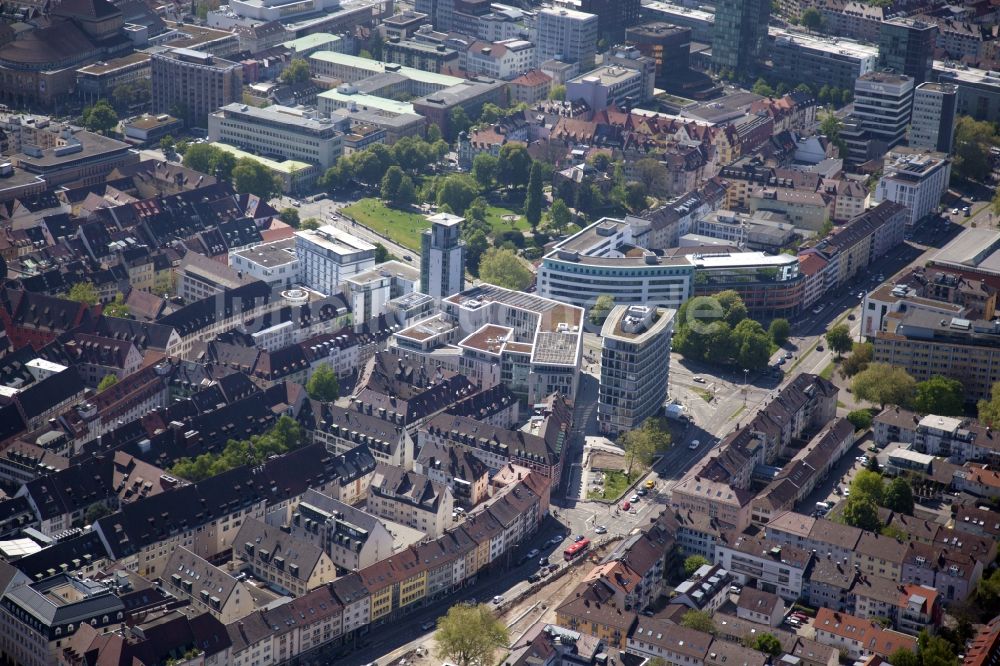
635,366
194,82
328,256
739,42
442,257
932,123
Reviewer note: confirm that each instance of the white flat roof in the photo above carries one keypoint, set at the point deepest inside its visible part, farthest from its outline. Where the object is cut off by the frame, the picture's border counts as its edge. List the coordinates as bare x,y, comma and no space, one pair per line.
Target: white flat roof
946,423
737,259
335,240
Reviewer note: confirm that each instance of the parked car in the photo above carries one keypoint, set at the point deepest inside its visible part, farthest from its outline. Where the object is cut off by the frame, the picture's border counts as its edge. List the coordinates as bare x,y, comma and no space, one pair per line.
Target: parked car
534,578
650,484
601,529
698,379
788,354
735,589
557,539
642,492
626,505
428,625
578,538
543,561
553,567
532,553
820,348
694,444
498,600
634,498
407,257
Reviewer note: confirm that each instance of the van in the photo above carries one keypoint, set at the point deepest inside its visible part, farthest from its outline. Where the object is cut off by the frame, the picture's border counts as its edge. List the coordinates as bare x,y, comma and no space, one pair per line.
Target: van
822,506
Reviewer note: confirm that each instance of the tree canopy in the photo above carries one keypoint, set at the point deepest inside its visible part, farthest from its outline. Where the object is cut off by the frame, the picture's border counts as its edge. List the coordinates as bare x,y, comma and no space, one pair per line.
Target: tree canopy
642,444
973,141
862,513
117,307
83,292
286,434
989,410
535,197
252,177
297,71
323,384
940,395
779,330
470,635
699,621
898,496
884,384
839,339
107,381
503,268
101,117
768,644
692,563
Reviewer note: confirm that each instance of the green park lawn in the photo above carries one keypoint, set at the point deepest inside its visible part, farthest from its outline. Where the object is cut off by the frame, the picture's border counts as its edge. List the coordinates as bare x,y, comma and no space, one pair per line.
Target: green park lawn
405,227
615,484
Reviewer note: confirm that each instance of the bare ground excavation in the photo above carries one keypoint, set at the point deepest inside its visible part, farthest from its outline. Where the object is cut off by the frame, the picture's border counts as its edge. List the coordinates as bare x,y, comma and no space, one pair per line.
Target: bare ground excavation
520,617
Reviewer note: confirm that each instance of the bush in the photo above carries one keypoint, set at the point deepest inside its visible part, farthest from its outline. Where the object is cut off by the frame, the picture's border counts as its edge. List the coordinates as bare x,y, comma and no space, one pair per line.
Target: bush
861,419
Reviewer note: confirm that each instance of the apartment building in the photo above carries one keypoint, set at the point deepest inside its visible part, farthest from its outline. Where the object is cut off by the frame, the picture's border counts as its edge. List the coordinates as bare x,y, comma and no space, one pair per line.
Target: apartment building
635,366
286,562
411,499
882,103
328,256
763,564
206,587
917,181
567,35
507,59
442,257
859,638
960,348
196,82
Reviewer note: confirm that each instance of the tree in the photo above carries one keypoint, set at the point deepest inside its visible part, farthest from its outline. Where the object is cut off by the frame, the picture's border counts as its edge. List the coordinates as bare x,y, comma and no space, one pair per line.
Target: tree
698,621
252,177
296,72
693,563
861,513
458,122
559,212
762,88
635,197
830,126
824,94
470,635
484,170
475,245
457,191
898,497
884,384
107,381
535,196
323,385
601,308
413,153
100,117
937,652
779,331
557,93
503,268
433,134
642,444
117,307
752,343
940,395
407,192
839,339
861,356
167,144
513,165
95,512
376,44
872,465
861,419
813,21
973,140
600,161
290,216
309,224
904,657
390,184
989,410
768,644
652,174
381,253
199,157
490,113
868,485
83,292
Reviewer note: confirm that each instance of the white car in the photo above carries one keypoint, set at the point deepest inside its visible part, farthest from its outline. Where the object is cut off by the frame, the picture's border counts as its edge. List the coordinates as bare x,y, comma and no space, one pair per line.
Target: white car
698,380
601,529
533,553
633,499
694,444
498,600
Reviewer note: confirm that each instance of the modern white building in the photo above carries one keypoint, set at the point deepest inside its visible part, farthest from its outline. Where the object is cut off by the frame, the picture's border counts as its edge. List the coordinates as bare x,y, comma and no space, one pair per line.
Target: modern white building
328,256
883,102
442,256
592,262
289,133
932,124
506,59
567,35
369,293
274,263
635,366
605,86
915,180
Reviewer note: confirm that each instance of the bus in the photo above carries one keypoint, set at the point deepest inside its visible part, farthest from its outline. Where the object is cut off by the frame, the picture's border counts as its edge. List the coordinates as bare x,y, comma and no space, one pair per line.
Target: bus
576,549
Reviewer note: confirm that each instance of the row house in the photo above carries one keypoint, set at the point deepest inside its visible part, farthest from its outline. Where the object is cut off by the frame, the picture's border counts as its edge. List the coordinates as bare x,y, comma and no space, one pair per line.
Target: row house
286,562
341,429
767,566
859,638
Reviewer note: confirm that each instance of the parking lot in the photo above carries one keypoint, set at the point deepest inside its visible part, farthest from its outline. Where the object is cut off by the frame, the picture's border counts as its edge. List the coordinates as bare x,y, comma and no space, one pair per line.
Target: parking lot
831,490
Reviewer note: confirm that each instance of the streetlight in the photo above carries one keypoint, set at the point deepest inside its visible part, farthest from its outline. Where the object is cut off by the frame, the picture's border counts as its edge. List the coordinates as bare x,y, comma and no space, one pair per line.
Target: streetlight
746,371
